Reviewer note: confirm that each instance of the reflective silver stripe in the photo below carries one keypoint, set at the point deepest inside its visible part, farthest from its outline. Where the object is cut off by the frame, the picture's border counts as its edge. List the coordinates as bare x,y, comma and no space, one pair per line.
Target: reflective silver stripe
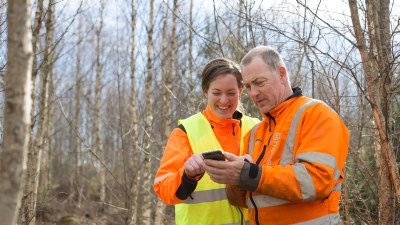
330,219
251,139
337,188
322,158
158,179
263,201
206,196
287,154
239,223
307,187
317,157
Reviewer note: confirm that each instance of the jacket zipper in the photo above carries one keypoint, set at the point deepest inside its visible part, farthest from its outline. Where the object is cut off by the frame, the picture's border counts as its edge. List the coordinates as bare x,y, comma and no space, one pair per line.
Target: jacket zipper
251,193
257,163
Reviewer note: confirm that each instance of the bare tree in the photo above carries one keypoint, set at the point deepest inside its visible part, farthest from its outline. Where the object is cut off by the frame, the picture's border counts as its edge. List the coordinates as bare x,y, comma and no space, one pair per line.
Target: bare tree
98,142
25,211
168,77
16,110
378,72
35,159
144,183
168,68
190,60
77,144
133,173
48,90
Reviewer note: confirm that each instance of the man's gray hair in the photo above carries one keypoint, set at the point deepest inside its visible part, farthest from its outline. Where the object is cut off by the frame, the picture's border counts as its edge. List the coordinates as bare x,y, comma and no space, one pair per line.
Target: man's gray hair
269,55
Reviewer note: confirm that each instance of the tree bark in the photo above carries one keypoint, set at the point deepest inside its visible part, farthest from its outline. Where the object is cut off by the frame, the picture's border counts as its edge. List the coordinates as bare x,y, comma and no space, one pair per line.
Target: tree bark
377,70
98,142
130,202
16,110
25,213
167,78
45,173
76,182
145,182
190,62
35,159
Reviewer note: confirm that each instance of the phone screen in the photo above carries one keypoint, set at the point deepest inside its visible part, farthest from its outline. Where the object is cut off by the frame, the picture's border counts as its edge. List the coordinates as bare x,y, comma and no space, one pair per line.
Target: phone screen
214,154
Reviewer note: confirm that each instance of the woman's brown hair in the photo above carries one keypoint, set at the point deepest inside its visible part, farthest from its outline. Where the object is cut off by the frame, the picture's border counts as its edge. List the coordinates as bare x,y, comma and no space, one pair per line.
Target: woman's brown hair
221,67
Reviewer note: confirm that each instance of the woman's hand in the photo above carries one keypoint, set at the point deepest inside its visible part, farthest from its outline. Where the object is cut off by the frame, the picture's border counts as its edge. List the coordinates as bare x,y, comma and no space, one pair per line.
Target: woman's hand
194,166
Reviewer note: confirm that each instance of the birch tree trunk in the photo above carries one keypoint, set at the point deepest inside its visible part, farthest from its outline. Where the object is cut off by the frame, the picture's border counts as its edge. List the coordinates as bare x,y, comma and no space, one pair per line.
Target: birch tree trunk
167,78
378,70
130,201
45,173
168,55
191,70
144,198
17,109
160,214
38,148
168,88
98,143
76,183
25,214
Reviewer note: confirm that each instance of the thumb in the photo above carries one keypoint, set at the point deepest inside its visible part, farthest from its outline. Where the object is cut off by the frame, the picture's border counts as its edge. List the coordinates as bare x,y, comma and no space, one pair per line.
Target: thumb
229,156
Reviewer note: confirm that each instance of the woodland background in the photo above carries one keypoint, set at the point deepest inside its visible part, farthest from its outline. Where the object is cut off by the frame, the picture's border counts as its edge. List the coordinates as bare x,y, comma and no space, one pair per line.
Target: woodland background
111,78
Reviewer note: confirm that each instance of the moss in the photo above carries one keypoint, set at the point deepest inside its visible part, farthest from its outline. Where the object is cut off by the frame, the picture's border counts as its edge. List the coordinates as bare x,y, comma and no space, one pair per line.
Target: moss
69,220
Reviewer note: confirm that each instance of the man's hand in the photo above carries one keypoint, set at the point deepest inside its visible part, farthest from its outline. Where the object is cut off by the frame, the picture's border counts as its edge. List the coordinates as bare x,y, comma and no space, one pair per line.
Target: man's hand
194,166
247,157
225,172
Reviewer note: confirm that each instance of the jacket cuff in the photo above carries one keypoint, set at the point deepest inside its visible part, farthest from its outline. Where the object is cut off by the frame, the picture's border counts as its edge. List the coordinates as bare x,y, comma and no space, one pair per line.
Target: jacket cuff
186,188
250,176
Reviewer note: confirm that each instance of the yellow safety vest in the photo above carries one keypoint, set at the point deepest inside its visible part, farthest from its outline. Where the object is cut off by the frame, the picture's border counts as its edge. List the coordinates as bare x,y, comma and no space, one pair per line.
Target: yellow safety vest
208,204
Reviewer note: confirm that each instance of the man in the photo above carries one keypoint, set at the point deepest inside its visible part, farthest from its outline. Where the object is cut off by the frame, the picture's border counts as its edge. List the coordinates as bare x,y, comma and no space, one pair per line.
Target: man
298,151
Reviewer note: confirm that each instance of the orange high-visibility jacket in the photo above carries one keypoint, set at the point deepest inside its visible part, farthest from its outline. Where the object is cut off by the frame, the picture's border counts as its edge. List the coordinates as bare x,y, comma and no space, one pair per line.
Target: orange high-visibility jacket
299,150
174,187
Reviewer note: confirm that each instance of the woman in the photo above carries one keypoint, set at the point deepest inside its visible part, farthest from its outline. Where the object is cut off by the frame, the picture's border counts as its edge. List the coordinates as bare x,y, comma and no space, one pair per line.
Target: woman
181,180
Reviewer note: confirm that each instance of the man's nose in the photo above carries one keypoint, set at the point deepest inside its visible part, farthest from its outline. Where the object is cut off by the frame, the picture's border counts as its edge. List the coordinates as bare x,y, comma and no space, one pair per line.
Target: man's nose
253,92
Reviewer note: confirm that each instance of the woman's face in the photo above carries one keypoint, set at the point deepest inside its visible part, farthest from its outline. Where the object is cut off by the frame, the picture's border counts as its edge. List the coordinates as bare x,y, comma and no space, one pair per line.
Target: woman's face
223,95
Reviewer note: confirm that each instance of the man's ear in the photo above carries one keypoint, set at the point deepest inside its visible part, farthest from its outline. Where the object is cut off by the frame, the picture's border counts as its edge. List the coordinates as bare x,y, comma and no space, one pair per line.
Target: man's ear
282,72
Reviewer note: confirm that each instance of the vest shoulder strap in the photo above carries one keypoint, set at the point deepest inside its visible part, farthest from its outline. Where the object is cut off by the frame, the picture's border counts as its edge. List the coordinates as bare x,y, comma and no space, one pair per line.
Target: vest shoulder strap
200,133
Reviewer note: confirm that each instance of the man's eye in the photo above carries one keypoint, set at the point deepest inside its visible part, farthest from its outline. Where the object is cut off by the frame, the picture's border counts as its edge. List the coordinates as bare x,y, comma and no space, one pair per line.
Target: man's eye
260,83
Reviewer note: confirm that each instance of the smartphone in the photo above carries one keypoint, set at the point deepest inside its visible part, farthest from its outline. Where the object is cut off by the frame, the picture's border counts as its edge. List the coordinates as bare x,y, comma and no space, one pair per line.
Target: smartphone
214,154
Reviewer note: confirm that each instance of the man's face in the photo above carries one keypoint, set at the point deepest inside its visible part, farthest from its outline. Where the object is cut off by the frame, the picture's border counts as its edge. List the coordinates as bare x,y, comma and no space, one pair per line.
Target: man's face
264,86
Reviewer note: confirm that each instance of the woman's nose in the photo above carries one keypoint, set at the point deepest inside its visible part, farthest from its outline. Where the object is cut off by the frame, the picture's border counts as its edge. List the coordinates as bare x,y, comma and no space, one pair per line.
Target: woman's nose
224,99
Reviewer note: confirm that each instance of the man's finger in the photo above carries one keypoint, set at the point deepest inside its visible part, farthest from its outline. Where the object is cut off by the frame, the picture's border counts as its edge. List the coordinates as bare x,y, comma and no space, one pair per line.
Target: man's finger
229,156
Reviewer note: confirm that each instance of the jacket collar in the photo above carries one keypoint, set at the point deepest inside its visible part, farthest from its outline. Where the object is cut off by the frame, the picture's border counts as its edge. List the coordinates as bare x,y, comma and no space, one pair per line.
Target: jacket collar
297,92
216,120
